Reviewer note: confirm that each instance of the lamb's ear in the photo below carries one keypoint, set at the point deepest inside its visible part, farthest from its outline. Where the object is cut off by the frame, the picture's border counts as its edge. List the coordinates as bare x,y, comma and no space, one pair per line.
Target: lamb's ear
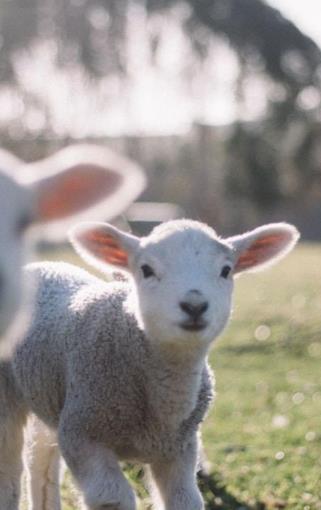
100,244
8,162
82,179
263,246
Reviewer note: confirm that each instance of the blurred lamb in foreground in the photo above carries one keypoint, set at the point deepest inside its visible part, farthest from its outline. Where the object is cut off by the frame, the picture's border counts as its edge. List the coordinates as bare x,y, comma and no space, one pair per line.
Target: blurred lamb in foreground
119,370
48,195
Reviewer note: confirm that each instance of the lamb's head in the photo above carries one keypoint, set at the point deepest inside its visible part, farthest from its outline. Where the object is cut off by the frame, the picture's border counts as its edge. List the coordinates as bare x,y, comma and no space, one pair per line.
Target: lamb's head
45,195
183,271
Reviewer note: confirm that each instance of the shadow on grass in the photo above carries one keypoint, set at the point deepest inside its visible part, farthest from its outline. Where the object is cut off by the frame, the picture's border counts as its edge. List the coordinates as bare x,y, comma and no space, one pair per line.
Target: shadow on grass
250,347
296,340
217,497
215,494
295,345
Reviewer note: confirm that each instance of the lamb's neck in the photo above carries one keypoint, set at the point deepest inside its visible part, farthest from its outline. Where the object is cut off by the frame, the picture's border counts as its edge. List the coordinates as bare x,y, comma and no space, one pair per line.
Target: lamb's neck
174,380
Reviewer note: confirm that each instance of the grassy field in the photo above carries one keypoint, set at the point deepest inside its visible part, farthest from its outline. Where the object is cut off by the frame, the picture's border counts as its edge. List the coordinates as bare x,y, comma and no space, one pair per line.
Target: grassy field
263,435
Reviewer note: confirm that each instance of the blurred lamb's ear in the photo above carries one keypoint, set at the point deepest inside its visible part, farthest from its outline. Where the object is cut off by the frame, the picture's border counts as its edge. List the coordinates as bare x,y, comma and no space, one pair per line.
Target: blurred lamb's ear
9,162
82,181
100,244
263,246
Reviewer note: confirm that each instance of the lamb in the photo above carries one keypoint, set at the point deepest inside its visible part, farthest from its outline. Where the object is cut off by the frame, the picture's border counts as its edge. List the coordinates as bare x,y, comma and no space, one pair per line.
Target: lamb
79,178
119,370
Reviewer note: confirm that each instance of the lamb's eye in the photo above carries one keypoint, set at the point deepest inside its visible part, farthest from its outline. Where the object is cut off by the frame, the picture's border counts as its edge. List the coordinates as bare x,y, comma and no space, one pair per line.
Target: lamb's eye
147,271
226,271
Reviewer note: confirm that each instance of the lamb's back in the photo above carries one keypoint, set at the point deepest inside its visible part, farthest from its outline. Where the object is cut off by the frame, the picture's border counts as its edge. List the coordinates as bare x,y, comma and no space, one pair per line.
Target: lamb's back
69,306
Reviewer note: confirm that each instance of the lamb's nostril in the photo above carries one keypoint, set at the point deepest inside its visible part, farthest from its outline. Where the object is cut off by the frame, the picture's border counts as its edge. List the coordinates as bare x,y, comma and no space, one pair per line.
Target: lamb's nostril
194,310
187,307
203,307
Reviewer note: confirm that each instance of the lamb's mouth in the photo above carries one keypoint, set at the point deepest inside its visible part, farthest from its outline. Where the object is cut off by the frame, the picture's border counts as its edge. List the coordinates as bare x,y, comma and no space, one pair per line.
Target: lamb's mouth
193,326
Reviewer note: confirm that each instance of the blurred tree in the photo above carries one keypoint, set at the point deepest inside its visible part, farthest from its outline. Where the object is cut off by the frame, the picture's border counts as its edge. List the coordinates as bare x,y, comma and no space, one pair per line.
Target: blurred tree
256,178
94,33
255,30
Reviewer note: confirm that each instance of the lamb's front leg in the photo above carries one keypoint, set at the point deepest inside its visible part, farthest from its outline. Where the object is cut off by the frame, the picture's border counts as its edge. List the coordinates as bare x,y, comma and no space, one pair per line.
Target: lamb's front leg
42,464
95,469
11,441
176,484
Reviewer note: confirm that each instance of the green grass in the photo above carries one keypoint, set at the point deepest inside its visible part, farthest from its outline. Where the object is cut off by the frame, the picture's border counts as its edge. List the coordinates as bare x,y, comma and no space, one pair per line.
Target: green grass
263,435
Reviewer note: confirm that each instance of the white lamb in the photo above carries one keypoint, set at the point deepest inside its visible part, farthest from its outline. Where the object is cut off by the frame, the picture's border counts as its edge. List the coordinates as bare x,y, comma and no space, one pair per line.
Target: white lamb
48,193
119,369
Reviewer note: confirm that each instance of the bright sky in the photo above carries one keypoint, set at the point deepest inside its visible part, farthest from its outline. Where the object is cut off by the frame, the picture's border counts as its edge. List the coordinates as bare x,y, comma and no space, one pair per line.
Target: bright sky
304,13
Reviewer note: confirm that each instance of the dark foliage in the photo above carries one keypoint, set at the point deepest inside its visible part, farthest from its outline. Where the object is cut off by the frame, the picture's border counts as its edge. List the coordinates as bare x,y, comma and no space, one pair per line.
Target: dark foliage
94,32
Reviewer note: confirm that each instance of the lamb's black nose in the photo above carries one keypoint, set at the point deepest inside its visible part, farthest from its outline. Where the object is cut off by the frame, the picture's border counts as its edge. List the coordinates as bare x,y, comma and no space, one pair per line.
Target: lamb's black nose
194,310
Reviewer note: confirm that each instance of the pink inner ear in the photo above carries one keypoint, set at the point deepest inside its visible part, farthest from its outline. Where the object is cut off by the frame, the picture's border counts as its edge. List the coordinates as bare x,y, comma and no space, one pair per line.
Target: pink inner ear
75,190
261,251
104,247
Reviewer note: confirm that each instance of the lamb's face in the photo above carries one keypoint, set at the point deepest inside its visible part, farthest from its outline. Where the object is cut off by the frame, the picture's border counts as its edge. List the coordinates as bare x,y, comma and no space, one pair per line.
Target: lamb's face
184,283
183,272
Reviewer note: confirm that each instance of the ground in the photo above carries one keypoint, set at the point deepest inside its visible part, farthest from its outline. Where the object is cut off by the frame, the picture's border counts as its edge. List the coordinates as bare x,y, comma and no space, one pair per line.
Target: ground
263,436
